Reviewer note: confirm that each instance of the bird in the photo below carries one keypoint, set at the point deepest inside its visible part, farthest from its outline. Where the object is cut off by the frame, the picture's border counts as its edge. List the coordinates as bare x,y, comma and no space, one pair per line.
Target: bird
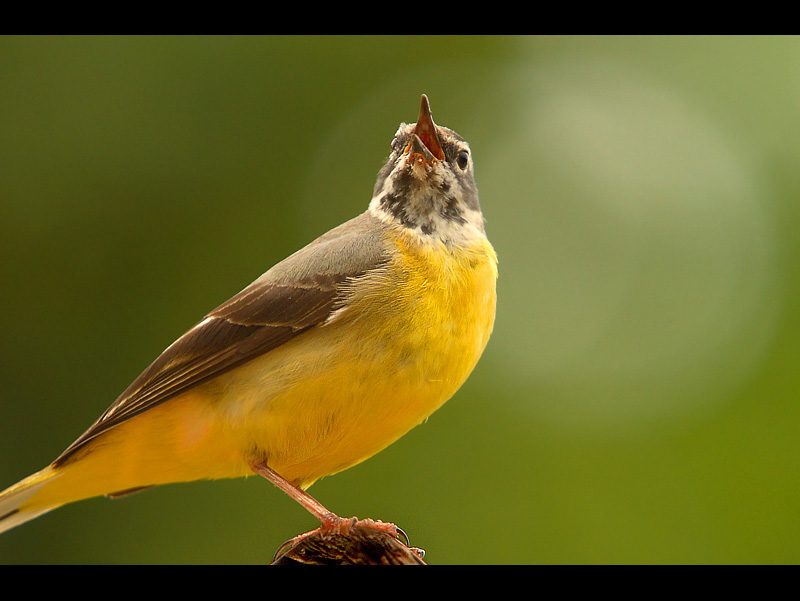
327,358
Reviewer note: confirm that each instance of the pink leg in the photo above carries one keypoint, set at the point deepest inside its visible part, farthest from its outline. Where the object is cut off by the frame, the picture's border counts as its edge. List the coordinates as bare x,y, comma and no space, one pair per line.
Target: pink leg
306,500
329,520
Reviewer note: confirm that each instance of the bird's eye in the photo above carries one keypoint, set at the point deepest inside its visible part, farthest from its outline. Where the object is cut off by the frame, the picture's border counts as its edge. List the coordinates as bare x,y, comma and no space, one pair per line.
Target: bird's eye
462,160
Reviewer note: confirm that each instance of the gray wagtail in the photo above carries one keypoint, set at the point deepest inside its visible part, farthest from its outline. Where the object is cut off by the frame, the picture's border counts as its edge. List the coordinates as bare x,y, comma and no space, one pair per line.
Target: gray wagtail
327,358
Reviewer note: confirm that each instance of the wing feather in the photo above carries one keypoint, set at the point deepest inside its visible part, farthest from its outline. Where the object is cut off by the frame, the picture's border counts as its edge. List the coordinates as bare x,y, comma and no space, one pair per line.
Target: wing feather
297,294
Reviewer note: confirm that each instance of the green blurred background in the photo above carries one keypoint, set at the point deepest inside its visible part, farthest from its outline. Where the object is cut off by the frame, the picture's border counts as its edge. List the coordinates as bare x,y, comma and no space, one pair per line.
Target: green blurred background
639,400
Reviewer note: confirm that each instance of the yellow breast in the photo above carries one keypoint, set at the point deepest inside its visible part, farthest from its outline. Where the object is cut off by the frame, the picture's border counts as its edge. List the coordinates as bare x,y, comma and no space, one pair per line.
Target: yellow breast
408,338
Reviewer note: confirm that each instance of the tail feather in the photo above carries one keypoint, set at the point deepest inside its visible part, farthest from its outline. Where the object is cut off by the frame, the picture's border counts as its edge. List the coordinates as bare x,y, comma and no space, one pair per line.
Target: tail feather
15,502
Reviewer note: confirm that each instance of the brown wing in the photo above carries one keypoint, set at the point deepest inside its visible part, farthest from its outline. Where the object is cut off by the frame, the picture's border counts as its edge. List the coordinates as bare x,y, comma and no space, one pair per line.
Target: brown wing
297,294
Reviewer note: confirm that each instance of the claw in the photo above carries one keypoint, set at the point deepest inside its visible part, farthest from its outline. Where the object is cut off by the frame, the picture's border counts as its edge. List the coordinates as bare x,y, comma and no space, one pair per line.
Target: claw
403,540
283,549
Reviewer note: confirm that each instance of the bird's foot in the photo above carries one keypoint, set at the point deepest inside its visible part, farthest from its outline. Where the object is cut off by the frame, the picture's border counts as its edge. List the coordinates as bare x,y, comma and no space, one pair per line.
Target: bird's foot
333,527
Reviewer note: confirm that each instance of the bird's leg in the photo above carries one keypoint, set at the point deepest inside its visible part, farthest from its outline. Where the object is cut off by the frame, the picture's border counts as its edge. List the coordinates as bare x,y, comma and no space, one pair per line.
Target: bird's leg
331,523
306,500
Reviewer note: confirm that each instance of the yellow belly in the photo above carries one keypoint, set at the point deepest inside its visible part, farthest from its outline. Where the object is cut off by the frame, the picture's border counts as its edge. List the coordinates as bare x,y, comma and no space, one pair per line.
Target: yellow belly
333,397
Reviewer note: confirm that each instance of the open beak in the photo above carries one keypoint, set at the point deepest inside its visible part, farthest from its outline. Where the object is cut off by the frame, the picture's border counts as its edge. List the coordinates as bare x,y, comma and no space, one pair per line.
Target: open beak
425,141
